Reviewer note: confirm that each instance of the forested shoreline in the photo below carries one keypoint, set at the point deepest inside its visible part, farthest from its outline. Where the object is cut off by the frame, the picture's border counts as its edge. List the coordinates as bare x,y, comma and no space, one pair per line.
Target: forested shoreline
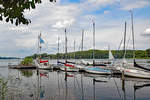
99,54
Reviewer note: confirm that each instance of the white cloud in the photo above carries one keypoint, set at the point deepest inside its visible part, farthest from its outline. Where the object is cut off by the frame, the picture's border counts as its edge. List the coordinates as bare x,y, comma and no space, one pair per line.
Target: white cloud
147,31
133,4
92,5
50,19
63,24
26,43
100,2
20,28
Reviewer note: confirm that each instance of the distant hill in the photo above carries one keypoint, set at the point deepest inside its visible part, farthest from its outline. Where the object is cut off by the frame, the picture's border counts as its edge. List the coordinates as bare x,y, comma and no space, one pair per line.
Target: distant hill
99,54
9,58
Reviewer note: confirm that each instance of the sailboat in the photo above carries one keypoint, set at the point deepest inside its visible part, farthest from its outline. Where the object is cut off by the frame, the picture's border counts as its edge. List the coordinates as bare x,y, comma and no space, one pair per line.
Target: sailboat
111,57
110,61
95,69
41,64
67,67
135,70
80,66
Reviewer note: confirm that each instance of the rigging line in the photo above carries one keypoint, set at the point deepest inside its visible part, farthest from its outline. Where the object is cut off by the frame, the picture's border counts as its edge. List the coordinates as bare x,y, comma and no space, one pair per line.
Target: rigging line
62,84
74,81
82,87
94,90
128,43
133,35
77,83
120,44
66,92
61,81
117,89
58,83
119,48
80,46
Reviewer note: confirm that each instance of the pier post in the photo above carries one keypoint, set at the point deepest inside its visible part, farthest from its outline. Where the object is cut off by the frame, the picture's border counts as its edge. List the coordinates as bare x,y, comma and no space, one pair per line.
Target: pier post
122,76
123,81
65,74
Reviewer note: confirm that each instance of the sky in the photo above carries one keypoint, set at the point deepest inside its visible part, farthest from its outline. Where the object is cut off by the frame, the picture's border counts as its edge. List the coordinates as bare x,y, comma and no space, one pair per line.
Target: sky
51,19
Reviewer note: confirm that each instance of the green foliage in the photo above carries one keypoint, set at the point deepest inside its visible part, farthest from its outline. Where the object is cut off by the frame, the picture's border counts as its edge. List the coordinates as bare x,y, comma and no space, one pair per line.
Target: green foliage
140,54
44,55
99,54
3,89
27,61
35,56
148,52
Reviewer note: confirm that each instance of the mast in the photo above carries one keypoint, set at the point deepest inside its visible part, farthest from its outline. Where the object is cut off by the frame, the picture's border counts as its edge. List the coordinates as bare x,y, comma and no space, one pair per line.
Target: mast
93,43
74,50
82,40
39,51
39,45
133,35
58,51
81,56
124,48
65,46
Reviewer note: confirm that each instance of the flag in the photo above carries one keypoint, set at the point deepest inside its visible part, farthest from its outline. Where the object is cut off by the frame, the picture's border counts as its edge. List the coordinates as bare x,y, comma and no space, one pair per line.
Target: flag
41,40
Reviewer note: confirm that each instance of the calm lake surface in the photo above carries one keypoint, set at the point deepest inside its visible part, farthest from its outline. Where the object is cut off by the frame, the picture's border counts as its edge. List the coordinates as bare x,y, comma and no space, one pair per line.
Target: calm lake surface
27,85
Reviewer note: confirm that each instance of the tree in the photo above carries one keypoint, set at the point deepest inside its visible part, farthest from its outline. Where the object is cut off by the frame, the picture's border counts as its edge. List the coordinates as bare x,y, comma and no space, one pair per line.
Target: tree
44,55
140,54
13,10
27,61
148,52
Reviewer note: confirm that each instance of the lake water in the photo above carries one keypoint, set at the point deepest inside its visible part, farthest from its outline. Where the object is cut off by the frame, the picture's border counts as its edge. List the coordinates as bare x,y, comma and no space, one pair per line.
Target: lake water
27,85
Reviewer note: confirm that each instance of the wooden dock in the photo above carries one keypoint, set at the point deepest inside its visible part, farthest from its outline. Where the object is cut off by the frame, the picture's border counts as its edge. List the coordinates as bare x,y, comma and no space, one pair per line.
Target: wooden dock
21,67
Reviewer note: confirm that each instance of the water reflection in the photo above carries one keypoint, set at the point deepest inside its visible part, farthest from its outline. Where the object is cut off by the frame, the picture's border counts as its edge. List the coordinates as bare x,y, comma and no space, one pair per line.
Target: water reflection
94,83
13,10
26,73
137,84
40,85
79,86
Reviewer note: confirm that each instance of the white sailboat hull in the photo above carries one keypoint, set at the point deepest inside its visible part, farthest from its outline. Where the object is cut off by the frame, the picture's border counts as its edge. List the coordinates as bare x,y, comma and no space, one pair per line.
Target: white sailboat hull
136,73
42,66
69,69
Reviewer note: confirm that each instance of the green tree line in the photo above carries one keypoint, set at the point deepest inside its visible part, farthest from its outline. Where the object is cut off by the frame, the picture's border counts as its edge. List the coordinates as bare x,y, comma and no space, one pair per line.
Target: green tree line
99,54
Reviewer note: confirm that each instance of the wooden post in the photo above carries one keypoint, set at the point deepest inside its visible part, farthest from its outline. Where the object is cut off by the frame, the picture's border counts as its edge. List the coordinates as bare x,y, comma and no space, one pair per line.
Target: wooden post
123,77
123,81
65,74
